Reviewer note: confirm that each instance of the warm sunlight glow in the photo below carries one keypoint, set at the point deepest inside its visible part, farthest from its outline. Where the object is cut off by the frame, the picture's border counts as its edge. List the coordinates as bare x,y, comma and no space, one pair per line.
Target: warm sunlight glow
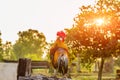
46,16
99,21
44,55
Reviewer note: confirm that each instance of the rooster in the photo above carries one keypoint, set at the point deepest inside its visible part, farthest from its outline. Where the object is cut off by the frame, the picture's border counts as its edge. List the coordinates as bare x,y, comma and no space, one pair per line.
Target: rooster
59,54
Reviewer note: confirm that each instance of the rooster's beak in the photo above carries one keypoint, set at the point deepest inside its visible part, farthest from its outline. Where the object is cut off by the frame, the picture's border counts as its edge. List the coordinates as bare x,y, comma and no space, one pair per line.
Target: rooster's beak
61,39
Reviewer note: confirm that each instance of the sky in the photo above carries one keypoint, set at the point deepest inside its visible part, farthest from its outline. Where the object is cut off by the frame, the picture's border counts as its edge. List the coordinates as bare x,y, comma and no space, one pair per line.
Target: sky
46,16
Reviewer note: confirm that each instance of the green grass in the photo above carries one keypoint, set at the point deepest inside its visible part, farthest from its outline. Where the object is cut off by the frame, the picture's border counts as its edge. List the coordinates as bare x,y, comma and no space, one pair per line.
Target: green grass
92,76
79,76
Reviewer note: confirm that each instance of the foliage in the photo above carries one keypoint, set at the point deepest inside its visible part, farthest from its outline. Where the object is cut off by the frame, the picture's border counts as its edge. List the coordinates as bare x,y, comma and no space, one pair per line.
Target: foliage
96,30
8,51
117,62
1,50
29,42
100,38
48,46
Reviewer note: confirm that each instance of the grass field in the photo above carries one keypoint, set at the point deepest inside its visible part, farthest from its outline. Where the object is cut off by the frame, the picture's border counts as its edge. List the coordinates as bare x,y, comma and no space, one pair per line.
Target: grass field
92,76
80,76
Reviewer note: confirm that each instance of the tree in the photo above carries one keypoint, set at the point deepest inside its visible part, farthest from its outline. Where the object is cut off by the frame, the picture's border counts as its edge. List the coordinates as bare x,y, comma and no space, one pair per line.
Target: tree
1,49
30,43
8,51
96,31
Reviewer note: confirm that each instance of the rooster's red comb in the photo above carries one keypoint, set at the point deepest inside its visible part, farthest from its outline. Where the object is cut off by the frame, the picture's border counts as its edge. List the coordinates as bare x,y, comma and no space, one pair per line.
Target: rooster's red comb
61,34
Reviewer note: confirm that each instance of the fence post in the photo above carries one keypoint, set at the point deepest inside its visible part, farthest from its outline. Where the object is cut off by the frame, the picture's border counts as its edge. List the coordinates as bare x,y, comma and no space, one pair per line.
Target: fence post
24,68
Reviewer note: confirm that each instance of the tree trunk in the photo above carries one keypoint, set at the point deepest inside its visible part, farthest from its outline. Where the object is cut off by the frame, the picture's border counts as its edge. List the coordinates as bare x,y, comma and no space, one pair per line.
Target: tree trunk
100,69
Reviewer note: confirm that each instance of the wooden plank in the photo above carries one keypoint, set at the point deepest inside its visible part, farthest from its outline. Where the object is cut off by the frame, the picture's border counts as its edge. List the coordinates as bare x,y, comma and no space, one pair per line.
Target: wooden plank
24,67
40,64
9,61
34,64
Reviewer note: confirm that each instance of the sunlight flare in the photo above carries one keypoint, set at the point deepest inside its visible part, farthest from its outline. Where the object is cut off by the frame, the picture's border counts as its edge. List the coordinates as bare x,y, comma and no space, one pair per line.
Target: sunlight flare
44,54
99,21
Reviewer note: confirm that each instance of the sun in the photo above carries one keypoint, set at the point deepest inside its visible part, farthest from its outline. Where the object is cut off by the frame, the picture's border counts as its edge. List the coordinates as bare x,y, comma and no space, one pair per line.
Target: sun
99,22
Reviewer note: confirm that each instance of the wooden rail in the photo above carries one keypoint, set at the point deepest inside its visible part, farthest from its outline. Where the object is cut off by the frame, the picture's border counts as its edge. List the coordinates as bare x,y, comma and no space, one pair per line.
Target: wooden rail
10,61
34,64
40,65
